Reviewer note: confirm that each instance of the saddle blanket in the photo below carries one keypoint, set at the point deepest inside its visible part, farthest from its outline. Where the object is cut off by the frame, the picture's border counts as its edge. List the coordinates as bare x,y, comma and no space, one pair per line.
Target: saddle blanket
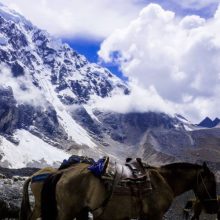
40,177
98,168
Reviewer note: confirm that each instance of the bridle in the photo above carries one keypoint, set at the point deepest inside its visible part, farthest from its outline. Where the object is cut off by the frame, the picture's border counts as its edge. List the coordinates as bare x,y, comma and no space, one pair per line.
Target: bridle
205,187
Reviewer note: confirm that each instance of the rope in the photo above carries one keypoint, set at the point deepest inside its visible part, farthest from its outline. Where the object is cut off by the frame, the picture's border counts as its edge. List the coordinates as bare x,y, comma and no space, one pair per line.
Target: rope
203,183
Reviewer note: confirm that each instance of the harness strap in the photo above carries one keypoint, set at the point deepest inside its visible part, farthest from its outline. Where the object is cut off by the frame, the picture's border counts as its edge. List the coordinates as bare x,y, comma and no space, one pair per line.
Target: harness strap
203,183
205,187
99,210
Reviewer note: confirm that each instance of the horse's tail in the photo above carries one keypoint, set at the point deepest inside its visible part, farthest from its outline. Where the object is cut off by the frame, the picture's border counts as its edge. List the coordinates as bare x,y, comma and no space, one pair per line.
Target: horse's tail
25,211
188,207
48,198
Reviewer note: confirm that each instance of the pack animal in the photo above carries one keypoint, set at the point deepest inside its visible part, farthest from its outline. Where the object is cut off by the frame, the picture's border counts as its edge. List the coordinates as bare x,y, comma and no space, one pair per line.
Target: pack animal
77,190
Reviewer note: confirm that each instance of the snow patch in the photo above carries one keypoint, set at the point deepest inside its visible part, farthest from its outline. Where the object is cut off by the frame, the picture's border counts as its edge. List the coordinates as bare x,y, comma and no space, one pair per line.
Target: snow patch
30,151
74,130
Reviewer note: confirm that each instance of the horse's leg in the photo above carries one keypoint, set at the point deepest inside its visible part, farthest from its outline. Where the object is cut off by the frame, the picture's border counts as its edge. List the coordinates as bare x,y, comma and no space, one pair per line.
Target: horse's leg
197,211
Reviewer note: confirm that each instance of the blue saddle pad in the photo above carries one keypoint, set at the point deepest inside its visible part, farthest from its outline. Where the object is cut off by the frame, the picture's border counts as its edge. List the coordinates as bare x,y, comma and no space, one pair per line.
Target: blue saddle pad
40,177
98,168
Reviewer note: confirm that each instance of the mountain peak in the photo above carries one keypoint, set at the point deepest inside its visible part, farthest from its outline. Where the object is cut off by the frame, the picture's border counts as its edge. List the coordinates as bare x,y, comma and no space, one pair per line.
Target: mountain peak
216,121
209,123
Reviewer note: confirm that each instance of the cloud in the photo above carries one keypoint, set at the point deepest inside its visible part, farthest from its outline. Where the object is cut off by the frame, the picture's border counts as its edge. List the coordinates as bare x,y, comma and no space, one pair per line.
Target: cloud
178,57
140,100
77,17
24,91
96,19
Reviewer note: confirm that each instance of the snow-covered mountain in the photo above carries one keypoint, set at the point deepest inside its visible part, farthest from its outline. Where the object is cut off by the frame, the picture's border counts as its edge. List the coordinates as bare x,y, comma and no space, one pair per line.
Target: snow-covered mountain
43,79
47,105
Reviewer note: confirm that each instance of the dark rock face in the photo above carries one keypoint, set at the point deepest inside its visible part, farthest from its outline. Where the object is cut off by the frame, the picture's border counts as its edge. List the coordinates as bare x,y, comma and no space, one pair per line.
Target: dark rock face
123,128
82,116
17,70
23,172
8,111
208,123
216,122
35,119
44,121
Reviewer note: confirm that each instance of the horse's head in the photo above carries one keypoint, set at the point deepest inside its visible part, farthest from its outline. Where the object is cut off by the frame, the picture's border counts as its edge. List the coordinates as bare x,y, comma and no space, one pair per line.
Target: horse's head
205,189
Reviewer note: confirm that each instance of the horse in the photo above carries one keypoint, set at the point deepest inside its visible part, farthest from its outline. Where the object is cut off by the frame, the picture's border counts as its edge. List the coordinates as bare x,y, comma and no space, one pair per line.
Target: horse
197,207
180,177
36,186
67,194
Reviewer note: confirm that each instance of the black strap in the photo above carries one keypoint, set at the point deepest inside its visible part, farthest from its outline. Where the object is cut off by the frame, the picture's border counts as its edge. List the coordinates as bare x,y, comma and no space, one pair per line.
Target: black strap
115,181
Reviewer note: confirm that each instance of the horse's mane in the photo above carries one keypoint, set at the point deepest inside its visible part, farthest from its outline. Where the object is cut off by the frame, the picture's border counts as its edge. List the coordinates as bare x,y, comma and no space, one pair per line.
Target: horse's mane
175,166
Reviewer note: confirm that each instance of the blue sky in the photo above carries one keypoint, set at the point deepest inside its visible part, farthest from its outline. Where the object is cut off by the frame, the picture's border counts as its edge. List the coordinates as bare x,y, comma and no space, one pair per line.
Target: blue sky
89,48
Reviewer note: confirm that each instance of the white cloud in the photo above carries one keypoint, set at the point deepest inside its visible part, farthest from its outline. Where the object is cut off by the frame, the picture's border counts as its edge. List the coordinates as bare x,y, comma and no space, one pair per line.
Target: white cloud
97,18
23,90
180,58
140,100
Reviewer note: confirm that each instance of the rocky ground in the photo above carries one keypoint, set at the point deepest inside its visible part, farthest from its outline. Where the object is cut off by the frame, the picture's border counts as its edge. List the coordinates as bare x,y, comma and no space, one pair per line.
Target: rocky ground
12,180
11,183
176,210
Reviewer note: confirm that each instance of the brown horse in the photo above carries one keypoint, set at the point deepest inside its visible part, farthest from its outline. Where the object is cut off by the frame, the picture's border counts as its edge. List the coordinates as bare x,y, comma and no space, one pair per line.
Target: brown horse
196,206
66,194
180,178
25,212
